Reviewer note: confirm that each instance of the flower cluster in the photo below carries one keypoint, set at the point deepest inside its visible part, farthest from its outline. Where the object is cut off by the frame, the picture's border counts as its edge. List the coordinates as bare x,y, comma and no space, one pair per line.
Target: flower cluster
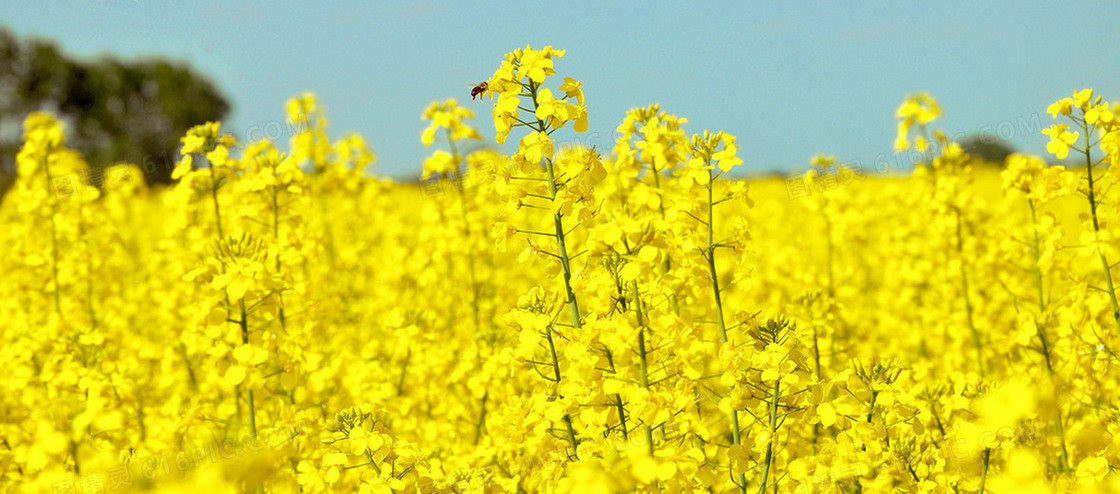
566,320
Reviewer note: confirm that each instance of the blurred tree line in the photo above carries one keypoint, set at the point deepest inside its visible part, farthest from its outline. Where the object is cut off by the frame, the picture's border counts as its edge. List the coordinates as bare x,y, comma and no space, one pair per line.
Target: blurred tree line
989,149
133,111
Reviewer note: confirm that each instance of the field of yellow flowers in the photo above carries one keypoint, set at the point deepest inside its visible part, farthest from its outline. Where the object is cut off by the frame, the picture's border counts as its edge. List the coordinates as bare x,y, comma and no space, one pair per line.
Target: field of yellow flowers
562,319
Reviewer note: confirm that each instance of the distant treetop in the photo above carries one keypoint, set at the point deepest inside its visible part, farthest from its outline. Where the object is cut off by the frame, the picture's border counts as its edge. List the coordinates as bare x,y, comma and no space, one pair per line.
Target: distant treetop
115,110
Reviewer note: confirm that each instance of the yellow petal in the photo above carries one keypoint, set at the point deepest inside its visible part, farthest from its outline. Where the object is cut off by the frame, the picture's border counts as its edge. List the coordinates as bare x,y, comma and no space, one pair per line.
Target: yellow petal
827,414
235,375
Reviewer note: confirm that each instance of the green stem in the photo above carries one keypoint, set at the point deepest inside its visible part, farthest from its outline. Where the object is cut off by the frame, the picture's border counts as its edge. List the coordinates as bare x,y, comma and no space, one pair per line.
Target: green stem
458,179
1064,461
556,377
668,264
571,435
562,253
967,299
817,362
372,463
621,416
870,415
984,475
244,322
558,224
237,400
276,235
562,250
404,371
773,430
710,252
1039,286
74,453
643,363
252,416
214,197
1097,227
817,354
478,426
182,349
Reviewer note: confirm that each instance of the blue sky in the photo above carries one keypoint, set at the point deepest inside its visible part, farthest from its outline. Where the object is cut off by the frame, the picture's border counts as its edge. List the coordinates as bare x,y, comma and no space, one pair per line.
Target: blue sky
789,79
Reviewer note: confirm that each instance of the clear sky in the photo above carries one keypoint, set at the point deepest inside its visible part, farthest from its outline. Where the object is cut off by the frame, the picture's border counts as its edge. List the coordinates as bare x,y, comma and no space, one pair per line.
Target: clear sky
790,79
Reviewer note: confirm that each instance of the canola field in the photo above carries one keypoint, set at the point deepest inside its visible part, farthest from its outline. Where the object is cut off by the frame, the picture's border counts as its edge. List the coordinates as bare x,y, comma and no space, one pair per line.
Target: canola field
562,319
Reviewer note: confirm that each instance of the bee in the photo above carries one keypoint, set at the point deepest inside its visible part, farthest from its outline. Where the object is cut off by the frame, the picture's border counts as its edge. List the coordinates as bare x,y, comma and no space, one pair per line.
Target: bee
479,90
619,304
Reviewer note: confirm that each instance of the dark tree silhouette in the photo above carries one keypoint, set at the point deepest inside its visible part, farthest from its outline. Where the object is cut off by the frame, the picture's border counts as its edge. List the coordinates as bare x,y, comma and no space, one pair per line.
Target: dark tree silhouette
989,148
116,110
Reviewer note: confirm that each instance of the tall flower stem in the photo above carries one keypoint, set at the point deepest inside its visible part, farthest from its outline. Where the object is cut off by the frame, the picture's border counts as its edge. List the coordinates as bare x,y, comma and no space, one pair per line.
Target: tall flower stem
1096,224
984,475
276,235
214,197
476,317
668,264
565,263
458,179
965,294
244,323
768,461
1064,465
643,362
710,255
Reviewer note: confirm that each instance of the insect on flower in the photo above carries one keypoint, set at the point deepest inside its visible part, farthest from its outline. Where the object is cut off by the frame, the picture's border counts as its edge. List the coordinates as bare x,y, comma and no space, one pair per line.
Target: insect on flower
619,304
479,90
